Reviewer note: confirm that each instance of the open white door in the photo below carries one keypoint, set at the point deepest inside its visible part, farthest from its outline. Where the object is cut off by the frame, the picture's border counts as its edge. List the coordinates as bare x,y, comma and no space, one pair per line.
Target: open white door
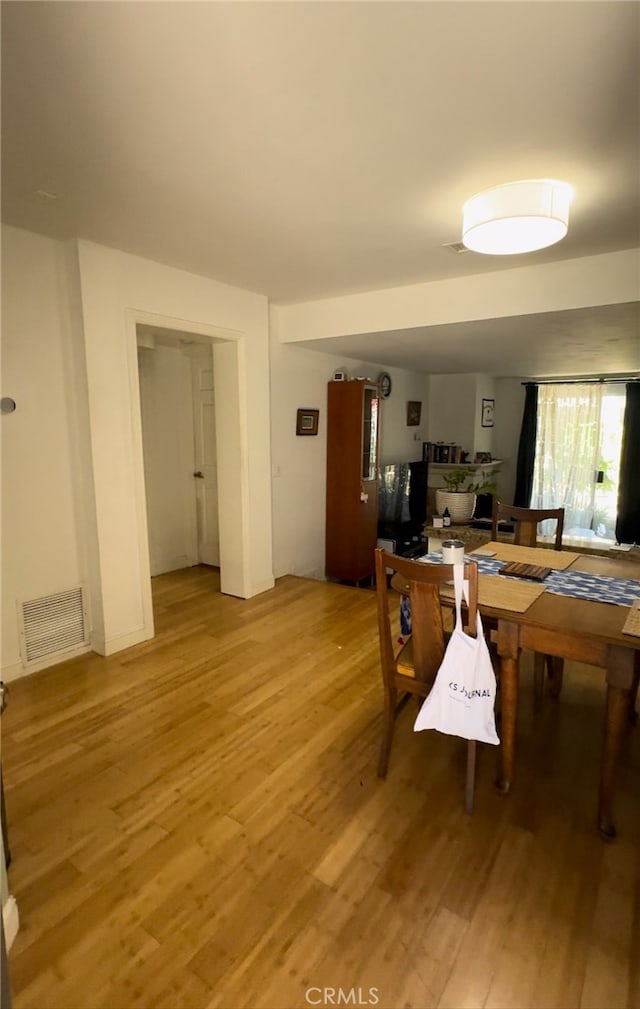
205,476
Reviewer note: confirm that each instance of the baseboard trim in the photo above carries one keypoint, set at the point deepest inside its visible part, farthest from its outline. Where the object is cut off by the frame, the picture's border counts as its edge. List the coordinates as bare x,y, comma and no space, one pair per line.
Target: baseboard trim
13,672
108,646
18,670
10,920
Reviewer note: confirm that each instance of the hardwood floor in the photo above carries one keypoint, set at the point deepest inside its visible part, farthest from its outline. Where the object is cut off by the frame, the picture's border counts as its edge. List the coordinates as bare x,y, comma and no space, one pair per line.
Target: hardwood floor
197,822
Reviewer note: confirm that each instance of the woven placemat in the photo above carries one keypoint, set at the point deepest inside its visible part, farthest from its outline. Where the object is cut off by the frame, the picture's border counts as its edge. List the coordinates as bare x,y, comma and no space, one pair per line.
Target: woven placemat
632,623
556,559
502,594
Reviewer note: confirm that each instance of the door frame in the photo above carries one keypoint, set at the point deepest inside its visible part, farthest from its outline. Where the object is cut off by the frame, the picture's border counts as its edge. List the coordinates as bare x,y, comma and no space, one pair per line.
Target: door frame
228,348
195,361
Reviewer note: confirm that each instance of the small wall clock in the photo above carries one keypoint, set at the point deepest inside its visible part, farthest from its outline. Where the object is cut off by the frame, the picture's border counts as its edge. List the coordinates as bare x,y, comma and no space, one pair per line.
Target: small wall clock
384,381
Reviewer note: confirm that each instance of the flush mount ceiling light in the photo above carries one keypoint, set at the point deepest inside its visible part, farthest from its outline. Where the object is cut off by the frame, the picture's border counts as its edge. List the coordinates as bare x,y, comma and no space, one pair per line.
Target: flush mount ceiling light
517,217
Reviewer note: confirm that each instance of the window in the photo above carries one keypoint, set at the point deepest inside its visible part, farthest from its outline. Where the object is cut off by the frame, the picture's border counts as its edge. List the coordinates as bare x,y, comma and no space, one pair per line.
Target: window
577,459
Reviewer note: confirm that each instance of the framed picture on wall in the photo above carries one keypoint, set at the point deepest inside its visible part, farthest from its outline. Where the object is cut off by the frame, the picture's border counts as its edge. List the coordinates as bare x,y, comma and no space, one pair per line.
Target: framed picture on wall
414,410
487,412
307,421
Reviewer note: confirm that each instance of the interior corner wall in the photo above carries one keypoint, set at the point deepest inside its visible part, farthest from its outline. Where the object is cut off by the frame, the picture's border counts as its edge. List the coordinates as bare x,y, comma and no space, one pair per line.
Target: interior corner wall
455,411
483,436
119,289
45,491
452,410
401,442
299,378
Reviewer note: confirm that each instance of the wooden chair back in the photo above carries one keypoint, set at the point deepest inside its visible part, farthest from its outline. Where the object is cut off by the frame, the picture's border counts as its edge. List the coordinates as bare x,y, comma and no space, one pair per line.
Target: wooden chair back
526,522
419,658
412,669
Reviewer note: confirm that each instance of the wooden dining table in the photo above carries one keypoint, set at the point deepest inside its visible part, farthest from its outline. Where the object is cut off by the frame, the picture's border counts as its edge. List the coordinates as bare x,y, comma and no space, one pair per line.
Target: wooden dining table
581,629
586,630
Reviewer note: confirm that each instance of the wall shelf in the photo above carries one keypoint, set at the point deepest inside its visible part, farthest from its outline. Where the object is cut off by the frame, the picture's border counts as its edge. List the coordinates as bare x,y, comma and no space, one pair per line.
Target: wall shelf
464,465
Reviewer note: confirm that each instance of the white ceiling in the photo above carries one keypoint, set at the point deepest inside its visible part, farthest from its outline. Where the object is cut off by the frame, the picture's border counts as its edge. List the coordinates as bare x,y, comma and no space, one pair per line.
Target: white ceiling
302,150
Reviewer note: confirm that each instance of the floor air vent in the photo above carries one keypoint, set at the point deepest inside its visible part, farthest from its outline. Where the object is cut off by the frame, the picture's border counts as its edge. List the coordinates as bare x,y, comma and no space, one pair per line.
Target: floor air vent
53,624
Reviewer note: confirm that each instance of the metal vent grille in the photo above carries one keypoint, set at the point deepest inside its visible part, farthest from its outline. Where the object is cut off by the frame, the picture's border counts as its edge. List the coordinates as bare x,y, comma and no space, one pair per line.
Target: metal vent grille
457,247
53,624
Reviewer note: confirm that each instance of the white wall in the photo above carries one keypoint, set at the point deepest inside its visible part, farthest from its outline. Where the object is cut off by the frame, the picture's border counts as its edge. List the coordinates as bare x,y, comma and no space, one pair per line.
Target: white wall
401,443
455,411
509,396
44,440
452,410
73,487
167,429
299,378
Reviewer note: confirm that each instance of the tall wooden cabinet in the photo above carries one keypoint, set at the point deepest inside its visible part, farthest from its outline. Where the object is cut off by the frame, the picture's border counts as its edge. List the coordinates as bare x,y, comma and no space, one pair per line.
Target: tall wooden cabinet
353,418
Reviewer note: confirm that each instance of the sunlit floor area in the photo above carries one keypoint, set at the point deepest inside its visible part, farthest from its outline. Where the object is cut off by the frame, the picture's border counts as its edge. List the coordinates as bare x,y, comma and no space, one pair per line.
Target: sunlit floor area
197,822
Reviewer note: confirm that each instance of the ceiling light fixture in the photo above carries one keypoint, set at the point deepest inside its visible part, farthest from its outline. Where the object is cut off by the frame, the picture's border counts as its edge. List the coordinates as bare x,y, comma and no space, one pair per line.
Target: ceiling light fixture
517,217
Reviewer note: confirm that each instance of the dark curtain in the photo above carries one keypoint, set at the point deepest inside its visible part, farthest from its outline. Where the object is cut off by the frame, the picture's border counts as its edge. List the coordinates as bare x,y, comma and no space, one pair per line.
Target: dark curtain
527,448
628,521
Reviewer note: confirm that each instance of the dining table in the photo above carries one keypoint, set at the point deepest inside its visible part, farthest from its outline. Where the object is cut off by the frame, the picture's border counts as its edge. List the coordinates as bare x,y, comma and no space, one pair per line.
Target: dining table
585,608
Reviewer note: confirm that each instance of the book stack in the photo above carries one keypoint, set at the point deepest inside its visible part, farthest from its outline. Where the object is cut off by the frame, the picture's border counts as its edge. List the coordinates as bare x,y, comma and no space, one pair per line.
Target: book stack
442,451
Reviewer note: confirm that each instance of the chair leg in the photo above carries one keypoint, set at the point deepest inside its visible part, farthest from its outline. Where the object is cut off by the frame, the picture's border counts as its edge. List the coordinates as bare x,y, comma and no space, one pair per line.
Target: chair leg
390,701
471,775
555,671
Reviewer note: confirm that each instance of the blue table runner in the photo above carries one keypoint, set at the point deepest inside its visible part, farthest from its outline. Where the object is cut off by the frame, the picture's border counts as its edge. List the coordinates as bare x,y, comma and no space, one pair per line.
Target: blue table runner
580,584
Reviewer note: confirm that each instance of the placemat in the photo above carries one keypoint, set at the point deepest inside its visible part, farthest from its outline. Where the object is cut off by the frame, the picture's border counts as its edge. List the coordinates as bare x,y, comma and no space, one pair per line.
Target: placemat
632,623
556,559
502,593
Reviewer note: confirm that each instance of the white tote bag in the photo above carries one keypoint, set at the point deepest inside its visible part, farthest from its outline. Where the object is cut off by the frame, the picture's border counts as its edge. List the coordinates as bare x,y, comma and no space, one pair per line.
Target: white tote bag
462,699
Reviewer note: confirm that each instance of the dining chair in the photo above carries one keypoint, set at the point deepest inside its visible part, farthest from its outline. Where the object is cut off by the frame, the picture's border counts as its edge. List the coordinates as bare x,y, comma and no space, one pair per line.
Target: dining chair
411,669
525,522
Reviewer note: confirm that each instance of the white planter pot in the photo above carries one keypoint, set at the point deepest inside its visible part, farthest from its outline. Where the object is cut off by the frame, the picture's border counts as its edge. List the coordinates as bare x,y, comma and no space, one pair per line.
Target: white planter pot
461,505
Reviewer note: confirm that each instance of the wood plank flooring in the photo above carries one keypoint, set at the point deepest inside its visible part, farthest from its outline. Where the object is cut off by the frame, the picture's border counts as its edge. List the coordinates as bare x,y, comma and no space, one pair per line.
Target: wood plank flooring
197,822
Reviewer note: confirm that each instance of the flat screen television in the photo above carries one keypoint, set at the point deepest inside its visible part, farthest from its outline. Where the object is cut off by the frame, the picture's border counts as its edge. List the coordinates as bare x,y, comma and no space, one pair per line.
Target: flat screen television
402,497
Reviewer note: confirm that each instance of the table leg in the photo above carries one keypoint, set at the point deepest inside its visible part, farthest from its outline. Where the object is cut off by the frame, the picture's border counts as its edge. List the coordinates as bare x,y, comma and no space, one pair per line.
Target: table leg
620,677
556,671
508,649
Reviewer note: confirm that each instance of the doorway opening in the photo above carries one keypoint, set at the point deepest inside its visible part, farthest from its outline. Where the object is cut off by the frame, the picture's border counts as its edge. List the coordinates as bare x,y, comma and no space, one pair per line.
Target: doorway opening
177,406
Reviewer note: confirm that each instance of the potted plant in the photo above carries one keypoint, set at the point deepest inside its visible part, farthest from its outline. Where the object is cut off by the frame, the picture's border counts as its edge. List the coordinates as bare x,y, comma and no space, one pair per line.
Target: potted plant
459,496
